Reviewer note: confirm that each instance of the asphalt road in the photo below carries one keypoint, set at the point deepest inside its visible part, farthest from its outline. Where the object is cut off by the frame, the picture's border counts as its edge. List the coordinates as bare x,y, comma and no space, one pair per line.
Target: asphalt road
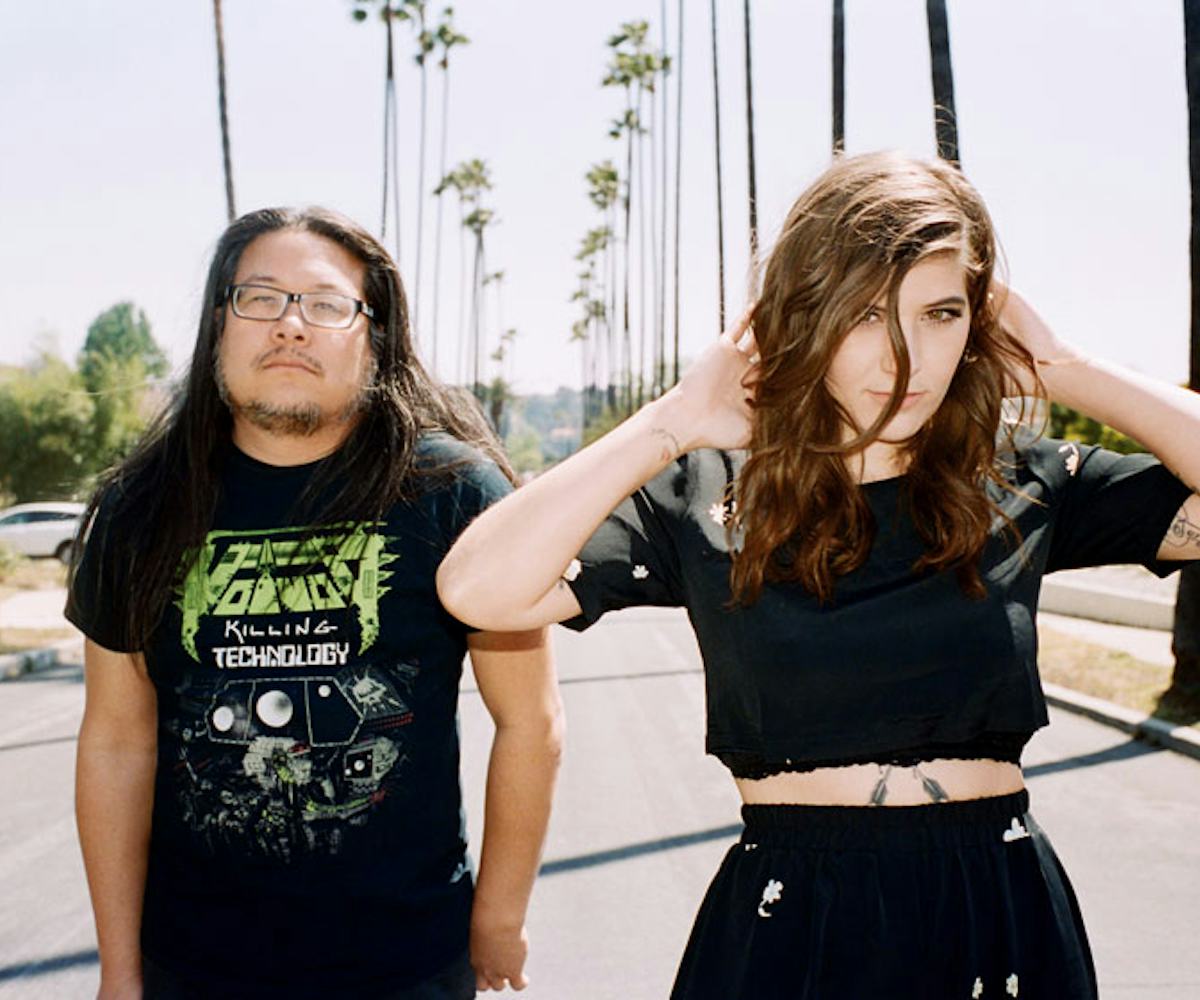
641,821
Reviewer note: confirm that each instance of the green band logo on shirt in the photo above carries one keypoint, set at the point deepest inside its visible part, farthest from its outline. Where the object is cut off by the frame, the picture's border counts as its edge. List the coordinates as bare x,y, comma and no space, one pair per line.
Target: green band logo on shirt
270,572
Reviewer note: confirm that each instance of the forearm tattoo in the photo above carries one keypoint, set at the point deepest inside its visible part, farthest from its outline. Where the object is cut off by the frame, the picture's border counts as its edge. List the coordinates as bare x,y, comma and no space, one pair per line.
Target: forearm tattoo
1184,533
669,442
929,785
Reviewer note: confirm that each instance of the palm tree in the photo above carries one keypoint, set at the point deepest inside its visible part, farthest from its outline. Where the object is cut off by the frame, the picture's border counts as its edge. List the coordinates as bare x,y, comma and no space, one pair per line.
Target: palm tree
218,20
477,222
621,73
717,144
391,152
660,326
636,68
678,188
468,180
592,294
750,141
1186,635
839,77
944,121
604,189
425,44
446,38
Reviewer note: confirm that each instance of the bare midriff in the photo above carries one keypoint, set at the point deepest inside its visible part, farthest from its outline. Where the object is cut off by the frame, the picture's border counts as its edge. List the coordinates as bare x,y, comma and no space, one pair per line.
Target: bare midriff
858,784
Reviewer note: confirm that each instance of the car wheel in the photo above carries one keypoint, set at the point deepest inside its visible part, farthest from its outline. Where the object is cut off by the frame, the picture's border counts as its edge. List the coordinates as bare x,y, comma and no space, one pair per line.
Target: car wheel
63,552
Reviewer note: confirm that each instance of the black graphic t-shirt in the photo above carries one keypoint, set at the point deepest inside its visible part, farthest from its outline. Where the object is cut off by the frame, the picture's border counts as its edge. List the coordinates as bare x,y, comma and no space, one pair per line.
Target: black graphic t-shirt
308,835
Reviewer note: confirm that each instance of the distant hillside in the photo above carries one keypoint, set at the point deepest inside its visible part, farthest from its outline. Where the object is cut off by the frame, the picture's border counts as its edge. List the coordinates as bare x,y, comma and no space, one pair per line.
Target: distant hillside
541,429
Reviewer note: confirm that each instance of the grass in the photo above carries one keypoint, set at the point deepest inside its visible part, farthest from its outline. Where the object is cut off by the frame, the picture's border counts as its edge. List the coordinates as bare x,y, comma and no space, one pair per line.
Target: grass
1117,677
14,640
32,574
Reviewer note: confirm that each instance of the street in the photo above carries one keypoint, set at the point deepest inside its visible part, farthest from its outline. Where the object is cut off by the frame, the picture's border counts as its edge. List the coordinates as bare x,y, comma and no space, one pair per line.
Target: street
642,818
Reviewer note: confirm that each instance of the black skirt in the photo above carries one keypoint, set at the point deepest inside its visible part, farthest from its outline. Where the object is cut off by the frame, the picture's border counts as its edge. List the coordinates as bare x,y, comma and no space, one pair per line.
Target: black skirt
953,901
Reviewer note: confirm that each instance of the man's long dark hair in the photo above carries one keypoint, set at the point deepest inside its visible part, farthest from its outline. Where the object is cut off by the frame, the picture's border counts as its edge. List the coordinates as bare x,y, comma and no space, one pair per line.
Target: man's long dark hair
162,497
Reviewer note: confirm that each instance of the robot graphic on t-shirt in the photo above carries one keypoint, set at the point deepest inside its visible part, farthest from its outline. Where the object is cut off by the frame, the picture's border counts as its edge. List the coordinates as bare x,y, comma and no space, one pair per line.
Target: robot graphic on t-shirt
288,736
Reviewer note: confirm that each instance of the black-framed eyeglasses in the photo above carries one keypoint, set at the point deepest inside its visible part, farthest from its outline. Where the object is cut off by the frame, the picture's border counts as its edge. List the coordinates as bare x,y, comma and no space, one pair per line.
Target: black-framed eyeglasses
325,309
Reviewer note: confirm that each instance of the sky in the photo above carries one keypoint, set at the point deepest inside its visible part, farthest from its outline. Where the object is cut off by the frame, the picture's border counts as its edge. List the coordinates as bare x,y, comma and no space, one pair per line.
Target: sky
1072,124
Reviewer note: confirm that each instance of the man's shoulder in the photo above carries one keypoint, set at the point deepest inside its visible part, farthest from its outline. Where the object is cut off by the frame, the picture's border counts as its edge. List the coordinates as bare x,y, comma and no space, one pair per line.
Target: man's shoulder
446,464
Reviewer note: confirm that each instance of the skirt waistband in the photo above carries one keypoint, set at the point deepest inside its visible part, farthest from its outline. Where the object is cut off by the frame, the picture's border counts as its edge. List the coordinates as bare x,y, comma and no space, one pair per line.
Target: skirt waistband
997,819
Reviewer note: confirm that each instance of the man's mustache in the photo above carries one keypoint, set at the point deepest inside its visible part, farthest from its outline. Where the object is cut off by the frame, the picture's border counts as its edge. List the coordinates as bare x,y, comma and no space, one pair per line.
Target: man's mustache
267,356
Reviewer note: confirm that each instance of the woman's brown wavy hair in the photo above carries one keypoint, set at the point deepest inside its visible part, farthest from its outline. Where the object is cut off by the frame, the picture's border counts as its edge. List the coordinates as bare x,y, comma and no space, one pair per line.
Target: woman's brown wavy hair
850,238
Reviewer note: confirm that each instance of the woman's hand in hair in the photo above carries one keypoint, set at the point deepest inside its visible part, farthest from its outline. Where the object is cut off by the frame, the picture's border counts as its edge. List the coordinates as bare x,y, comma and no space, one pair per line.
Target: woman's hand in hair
1023,323
716,393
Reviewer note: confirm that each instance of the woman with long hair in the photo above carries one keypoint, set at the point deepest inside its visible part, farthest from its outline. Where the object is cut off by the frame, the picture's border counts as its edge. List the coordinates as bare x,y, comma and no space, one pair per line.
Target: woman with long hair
842,498
268,784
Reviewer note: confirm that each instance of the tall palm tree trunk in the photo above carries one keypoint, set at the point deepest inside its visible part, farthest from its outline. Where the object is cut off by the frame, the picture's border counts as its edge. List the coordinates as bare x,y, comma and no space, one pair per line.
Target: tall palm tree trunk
390,143
717,144
944,119
420,197
219,22
678,189
753,182
660,366
1186,638
641,176
610,350
477,316
839,77
437,235
462,291
655,271
627,344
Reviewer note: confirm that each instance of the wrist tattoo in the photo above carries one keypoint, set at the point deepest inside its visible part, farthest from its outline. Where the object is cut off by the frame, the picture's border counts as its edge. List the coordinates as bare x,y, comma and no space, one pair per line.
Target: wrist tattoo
1184,533
1066,359
670,443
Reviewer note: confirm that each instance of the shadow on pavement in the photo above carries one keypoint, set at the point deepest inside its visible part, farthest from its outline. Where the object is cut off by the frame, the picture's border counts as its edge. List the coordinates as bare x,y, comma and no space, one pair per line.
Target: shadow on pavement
49,741
637,850
43,966
600,678
1122,751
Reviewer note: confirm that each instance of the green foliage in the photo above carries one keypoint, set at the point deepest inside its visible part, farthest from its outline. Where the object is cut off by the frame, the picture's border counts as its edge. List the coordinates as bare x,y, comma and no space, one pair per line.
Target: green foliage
121,335
605,422
60,427
1071,425
10,561
119,405
45,431
524,449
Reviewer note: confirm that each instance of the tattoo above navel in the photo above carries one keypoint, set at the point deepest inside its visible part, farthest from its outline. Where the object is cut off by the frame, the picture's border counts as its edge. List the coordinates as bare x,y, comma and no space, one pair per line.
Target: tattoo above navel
930,786
1184,533
670,444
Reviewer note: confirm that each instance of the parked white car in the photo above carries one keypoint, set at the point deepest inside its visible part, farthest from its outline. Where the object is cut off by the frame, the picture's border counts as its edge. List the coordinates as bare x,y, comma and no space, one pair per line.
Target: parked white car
41,529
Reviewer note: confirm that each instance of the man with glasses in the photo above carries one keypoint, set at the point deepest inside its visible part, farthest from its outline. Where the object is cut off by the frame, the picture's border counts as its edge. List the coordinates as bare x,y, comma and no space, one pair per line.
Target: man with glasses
267,786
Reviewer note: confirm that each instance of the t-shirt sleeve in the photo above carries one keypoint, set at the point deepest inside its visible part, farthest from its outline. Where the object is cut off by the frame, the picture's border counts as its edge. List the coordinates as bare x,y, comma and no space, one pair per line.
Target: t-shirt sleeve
632,559
1112,508
94,604
476,486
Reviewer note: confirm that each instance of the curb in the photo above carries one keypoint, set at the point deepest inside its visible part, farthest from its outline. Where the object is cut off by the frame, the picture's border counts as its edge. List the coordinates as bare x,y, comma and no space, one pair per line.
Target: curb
14,665
1181,739
1101,603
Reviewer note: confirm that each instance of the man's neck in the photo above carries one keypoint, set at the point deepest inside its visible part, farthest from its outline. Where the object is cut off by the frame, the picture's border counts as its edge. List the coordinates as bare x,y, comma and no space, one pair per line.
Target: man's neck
289,449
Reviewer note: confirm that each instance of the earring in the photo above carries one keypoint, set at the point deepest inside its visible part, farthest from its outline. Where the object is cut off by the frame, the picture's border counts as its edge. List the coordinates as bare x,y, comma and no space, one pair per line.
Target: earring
969,357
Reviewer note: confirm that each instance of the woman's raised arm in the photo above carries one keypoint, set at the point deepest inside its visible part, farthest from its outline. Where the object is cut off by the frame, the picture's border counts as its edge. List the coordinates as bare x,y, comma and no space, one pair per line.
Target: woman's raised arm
505,572
1164,418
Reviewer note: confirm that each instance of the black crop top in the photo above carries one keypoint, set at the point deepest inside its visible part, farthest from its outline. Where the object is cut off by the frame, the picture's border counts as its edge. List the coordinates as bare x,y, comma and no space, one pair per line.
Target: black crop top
901,666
